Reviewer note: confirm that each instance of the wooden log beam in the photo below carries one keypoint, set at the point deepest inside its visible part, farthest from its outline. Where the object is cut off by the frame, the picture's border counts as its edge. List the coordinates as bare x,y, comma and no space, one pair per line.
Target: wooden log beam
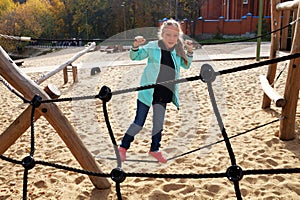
288,5
292,86
10,135
270,92
21,124
275,37
67,63
10,72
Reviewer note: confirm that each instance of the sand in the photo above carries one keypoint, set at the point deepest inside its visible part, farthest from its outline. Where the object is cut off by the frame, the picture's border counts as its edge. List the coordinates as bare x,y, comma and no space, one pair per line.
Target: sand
239,99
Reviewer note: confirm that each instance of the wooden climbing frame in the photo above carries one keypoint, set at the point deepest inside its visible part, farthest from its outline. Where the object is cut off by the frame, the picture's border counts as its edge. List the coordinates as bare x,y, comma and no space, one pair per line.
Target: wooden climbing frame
291,93
28,88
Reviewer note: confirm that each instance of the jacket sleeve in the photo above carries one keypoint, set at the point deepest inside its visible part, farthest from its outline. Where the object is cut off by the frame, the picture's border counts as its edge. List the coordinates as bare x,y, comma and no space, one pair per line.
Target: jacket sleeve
190,59
139,54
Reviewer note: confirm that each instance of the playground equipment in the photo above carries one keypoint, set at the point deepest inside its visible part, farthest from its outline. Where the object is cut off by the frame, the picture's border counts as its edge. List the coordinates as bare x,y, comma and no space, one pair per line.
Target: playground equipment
289,105
51,112
29,88
65,65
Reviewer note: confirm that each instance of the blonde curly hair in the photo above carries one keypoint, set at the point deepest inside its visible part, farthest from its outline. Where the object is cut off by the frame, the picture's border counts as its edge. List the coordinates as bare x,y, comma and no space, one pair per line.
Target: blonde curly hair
179,47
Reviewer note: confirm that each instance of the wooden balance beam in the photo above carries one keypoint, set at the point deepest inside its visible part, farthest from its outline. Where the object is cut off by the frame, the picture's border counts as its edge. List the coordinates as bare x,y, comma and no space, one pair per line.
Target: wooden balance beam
271,92
10,72
65,65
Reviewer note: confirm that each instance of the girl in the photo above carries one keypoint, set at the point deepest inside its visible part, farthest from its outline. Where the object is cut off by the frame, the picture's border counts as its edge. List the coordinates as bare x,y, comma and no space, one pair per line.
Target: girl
165,57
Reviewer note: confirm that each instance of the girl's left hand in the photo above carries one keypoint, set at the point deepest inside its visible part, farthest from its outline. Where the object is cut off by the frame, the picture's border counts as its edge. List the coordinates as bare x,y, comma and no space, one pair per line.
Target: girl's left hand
189,45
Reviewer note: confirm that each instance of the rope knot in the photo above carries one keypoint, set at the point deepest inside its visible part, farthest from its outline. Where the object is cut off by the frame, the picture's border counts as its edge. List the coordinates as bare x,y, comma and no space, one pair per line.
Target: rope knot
36,101
118,175
207,74
105,94
28,162
234,173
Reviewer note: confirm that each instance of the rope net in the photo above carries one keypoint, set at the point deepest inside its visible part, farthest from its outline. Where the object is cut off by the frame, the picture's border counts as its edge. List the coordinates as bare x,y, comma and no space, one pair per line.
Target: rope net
206,80
234,172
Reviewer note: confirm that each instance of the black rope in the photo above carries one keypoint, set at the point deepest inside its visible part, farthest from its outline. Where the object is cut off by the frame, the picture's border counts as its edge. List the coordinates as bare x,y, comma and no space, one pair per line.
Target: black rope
272,171
110,131
35,103
32,131
214,175
118,191
222,72
25,181
177,176
217,142
182,80
29,162
71,169
259,64
11,160
117,174
234,173
221,125
280,73
10,88
237,190
202,147
70,99
111,135
154,175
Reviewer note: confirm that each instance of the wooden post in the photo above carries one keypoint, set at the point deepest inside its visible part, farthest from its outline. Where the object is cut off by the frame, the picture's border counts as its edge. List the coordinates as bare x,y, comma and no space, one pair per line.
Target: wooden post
65,72
259,27
287,125
75,74
275,24
52,113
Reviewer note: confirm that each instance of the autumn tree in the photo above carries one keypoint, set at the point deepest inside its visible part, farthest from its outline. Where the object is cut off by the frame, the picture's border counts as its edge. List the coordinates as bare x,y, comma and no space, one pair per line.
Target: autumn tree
88,19
6,6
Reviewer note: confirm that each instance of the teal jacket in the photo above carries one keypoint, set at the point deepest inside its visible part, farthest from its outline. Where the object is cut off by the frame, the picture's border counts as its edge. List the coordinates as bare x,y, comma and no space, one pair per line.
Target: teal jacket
149,76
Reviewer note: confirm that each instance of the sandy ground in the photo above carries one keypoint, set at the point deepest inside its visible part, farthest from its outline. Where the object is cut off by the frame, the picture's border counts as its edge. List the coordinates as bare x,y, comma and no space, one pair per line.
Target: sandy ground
239,99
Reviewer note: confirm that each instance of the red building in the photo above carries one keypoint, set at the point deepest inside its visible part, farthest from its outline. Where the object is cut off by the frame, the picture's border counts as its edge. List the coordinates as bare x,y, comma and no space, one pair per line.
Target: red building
232,9
227,17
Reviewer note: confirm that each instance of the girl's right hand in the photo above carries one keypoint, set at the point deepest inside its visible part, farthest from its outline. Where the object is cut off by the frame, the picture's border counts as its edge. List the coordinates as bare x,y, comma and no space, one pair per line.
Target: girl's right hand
138,40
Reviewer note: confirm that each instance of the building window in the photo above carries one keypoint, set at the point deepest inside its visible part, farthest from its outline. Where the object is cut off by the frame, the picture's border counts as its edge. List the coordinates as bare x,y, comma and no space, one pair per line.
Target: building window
245,1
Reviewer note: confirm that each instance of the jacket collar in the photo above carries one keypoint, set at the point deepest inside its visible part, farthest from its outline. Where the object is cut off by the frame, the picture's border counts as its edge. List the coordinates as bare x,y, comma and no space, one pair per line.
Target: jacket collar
163,46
